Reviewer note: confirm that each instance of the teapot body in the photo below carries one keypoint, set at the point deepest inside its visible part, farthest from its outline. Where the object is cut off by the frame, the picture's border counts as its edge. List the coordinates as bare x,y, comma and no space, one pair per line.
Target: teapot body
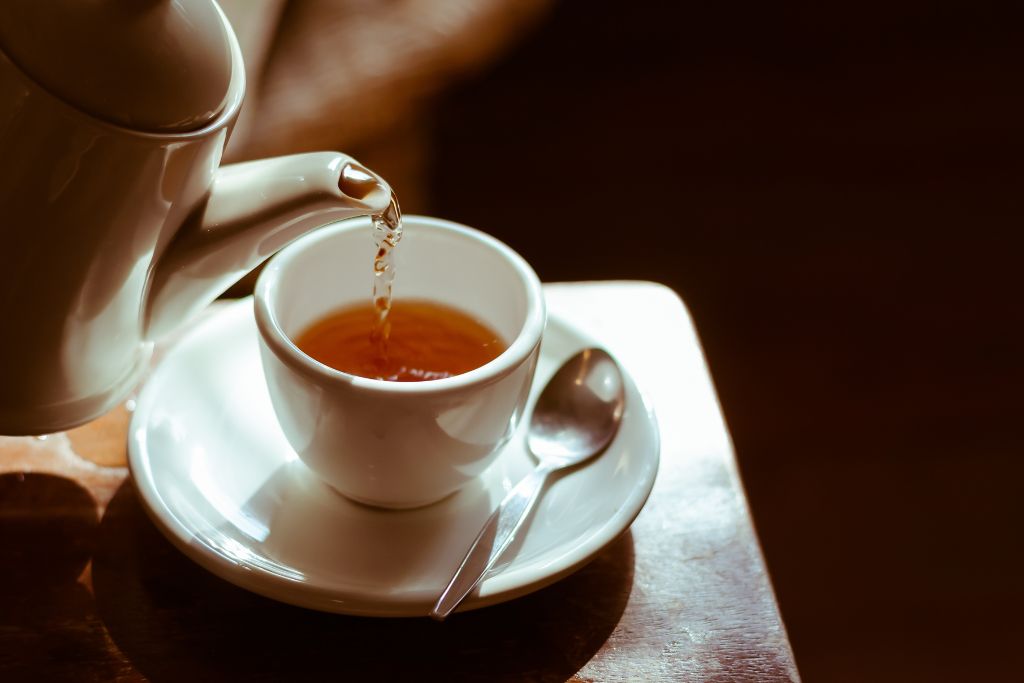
86,208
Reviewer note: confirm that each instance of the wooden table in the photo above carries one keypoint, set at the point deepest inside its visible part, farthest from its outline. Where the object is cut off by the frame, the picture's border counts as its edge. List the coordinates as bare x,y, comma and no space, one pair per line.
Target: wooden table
90,590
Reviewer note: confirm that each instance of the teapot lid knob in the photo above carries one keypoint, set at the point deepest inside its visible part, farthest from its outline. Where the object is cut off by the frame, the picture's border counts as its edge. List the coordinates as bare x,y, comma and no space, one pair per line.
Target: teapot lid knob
161,66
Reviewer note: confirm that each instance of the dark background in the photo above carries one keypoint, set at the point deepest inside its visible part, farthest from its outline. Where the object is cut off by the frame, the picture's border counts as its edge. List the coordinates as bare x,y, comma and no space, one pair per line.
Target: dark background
835,193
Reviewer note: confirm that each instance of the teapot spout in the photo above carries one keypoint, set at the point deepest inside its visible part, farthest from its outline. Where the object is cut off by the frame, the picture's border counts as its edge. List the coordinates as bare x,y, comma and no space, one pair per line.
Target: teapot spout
254,209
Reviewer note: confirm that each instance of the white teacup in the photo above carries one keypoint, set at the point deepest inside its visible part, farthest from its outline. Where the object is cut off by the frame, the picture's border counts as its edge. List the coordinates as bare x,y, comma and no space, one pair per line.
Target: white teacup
398,444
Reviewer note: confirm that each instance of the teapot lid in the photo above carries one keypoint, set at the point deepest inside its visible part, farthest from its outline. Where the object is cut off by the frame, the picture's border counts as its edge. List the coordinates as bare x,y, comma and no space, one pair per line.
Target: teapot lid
161,66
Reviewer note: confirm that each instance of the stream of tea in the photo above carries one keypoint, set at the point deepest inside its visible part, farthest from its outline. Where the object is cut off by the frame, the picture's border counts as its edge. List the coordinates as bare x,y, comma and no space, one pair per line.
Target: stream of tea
387,230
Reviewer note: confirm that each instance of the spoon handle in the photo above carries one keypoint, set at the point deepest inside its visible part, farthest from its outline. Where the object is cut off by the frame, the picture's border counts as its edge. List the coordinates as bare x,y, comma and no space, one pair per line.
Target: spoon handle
500,529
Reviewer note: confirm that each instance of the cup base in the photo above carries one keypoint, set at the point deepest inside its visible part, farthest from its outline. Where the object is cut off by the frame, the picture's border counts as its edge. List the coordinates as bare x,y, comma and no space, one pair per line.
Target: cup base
379,505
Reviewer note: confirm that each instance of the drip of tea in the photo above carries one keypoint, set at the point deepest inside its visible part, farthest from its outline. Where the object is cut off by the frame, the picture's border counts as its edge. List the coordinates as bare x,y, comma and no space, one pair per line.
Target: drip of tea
426,341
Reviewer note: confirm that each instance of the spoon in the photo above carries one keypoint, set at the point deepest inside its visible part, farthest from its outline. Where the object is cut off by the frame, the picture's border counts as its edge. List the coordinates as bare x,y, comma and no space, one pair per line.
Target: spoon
574,419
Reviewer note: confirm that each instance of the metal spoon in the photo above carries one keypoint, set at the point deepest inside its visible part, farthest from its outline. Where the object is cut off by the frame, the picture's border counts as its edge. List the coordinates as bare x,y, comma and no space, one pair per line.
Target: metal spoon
574,419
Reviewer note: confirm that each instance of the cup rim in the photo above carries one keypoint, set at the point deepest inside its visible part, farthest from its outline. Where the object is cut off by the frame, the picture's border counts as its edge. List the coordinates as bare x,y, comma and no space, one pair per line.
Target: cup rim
517,352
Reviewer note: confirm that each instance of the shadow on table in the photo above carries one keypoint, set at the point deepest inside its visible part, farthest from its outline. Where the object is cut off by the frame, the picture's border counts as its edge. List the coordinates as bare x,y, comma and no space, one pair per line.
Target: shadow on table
48,624
175,621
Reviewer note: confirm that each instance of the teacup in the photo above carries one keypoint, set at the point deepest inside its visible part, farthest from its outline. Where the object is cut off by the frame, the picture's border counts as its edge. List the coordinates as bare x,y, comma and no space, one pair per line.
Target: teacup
398,444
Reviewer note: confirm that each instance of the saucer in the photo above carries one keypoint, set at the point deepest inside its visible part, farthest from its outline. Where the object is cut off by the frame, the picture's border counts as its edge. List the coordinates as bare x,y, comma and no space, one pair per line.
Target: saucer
218,478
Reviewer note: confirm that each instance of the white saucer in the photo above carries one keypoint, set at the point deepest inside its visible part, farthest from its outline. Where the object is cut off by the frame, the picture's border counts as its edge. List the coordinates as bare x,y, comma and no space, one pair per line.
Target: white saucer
218,478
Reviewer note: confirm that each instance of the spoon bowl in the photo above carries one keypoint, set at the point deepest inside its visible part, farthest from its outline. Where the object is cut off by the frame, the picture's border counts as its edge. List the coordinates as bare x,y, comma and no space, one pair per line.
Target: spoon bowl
579,411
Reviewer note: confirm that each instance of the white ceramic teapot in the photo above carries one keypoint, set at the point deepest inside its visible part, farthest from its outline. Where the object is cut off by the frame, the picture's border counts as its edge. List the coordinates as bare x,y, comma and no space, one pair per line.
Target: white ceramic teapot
116,223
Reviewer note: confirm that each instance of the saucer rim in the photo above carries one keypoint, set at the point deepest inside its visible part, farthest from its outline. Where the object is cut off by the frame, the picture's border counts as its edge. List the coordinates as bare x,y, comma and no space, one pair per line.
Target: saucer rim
508,584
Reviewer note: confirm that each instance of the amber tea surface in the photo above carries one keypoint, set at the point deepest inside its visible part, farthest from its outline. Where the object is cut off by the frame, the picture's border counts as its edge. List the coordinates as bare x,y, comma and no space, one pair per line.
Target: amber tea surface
424,341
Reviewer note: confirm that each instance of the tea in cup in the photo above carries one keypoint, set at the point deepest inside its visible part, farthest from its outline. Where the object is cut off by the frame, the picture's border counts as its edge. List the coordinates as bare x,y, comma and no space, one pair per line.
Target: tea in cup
465,330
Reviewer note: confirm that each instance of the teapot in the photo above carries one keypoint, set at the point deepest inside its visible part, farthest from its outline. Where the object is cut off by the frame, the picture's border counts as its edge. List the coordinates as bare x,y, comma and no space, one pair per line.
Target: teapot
117,222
